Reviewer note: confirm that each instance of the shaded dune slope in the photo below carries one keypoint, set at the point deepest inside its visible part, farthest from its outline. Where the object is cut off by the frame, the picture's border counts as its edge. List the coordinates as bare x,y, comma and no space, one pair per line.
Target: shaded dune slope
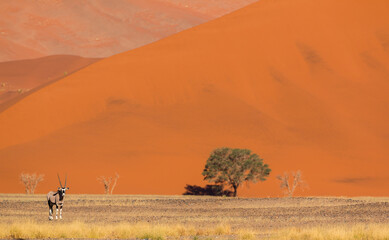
18,78
302,83
97,28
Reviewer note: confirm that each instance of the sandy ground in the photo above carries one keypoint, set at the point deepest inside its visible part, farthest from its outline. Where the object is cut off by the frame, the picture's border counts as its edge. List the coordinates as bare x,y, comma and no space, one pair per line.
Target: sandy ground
303,84
264,214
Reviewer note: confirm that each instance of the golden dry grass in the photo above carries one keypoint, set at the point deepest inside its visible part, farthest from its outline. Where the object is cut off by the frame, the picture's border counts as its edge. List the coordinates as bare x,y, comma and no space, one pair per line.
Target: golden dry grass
357,232
32,230
29,229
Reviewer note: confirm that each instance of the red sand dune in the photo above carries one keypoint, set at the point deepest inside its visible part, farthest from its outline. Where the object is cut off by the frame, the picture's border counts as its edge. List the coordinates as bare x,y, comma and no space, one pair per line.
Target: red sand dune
302,83
20,77
97,28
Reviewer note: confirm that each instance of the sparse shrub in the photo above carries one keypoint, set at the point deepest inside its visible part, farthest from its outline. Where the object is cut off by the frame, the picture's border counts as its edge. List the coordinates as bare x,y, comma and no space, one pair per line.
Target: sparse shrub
30,181
234,167
290,188
107,181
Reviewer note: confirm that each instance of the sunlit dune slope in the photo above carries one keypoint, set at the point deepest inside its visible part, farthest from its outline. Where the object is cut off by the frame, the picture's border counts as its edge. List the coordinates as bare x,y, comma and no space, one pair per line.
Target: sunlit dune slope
302,83
20,77
97,28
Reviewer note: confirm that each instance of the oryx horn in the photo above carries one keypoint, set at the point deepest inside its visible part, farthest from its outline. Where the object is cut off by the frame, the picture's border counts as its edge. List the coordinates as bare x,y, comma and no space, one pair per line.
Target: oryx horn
66,178
59,179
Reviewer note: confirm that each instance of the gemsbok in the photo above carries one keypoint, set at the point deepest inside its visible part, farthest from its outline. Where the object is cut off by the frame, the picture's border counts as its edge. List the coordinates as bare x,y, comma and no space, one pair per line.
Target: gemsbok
57,199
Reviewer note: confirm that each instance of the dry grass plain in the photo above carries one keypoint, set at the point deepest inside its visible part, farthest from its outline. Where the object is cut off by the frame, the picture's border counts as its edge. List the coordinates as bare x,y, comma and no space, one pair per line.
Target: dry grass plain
188,217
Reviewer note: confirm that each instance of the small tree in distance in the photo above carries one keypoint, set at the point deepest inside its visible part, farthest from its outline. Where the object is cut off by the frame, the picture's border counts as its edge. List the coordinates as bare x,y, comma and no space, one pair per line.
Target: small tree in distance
30,181
233,167
290,187
106,181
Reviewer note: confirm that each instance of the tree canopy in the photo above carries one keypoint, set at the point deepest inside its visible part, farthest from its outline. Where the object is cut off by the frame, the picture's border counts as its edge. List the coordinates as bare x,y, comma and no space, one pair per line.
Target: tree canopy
234,167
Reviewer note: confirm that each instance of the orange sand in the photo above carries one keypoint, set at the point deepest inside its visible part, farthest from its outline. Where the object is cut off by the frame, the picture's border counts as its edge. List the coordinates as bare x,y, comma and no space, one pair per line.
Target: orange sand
97,28
18,78
302,83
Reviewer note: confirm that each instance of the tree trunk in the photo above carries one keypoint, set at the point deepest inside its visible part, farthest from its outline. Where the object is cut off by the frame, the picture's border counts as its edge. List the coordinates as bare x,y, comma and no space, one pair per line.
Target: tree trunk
235,190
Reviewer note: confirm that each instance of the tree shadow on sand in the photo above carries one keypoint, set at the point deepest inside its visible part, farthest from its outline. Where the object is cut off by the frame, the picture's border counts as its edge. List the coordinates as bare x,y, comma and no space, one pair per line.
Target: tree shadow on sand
208,190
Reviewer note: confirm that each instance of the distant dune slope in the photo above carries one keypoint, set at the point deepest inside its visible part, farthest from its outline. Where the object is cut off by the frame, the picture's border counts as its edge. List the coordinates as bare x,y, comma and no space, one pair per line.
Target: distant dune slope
302,83
17,78
97,28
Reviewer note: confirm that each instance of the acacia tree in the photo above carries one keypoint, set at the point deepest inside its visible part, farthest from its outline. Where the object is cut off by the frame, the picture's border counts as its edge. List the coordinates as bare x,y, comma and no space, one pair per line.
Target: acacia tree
234,167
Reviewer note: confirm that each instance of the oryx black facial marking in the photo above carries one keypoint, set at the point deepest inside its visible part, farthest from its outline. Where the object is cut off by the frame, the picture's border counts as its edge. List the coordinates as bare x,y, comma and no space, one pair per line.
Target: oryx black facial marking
57,199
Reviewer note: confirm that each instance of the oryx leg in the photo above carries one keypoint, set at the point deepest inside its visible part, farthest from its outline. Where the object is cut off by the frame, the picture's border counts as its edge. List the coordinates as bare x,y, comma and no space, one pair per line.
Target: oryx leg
60,212
50,211
56,211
